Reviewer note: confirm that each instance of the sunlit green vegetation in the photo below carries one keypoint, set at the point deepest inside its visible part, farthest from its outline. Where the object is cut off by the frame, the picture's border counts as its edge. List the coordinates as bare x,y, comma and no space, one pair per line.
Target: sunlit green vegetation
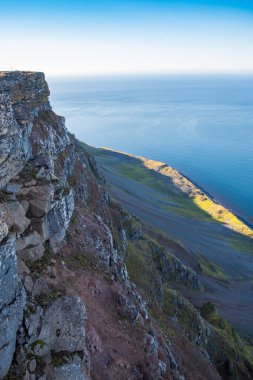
182,196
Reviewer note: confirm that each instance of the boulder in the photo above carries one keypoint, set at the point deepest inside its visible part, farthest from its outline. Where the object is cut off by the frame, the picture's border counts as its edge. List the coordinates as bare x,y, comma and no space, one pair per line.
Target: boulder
32,253
12,188
41,198
55,223
14,216
63,327
32,239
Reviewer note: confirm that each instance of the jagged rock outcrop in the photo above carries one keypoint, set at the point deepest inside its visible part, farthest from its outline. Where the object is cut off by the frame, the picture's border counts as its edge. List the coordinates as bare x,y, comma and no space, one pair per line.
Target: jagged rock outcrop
36,204
171,268
58,333
22,96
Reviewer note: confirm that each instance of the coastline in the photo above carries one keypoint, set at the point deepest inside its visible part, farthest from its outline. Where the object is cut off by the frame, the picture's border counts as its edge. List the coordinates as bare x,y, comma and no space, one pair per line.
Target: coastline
204,200
241,218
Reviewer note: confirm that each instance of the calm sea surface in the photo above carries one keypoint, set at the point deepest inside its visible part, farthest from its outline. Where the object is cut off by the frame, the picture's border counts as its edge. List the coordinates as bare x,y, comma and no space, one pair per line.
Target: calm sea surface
201,125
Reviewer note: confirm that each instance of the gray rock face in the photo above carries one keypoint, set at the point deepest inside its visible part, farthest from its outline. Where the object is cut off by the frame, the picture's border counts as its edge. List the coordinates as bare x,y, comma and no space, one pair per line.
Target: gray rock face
37,200
22,95
12,302
27,86
63,326
54,223
69,372
33,253
58,219
58,332
172,269
32,152
40,200
31,240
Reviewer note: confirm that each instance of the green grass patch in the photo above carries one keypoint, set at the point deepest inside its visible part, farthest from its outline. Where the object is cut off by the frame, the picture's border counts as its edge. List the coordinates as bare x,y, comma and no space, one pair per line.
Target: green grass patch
140,265
167,196
211,269
38,342
189,201
77,261
235,345
38,266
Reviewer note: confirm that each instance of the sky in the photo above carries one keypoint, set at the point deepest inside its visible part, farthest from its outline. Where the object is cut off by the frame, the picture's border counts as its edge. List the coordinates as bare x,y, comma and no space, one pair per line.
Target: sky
95,37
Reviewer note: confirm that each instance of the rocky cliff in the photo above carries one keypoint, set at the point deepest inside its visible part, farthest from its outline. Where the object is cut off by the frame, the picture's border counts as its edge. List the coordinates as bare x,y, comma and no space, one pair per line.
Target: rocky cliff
36,203
68,309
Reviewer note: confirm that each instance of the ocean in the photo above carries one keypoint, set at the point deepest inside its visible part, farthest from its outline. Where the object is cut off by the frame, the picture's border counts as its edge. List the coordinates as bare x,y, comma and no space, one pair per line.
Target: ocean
202,125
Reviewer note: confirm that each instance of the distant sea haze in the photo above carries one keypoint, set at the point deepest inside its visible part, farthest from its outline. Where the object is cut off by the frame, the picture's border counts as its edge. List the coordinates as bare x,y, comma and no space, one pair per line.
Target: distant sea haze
201,125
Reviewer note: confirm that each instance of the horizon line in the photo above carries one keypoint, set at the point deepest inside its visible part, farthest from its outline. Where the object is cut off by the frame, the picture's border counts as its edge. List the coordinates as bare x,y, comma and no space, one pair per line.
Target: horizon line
152,73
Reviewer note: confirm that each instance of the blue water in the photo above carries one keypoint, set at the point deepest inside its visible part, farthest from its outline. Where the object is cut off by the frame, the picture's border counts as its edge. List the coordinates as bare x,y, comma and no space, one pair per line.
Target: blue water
201,125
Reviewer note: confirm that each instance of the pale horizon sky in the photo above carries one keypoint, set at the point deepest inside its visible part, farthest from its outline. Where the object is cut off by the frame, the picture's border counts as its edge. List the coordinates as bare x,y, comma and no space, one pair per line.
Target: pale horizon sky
130,37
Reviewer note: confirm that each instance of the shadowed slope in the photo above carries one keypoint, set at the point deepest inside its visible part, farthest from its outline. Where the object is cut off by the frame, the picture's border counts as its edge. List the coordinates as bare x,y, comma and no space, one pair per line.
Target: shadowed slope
222,256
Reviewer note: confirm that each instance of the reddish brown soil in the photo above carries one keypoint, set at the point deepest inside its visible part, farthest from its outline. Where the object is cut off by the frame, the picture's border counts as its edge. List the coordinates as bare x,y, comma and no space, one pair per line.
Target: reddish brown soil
118,349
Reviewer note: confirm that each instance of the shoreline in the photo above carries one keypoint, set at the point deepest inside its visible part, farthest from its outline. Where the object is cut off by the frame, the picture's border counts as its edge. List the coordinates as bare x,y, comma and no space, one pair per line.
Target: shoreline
202,198
242,219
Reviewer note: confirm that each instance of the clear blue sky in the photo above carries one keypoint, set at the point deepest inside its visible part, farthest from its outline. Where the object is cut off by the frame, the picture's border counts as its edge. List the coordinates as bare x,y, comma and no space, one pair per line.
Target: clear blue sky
112,37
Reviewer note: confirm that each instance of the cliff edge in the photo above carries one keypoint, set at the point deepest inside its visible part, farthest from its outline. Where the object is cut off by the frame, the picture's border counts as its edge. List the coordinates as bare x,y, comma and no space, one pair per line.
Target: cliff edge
68,308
